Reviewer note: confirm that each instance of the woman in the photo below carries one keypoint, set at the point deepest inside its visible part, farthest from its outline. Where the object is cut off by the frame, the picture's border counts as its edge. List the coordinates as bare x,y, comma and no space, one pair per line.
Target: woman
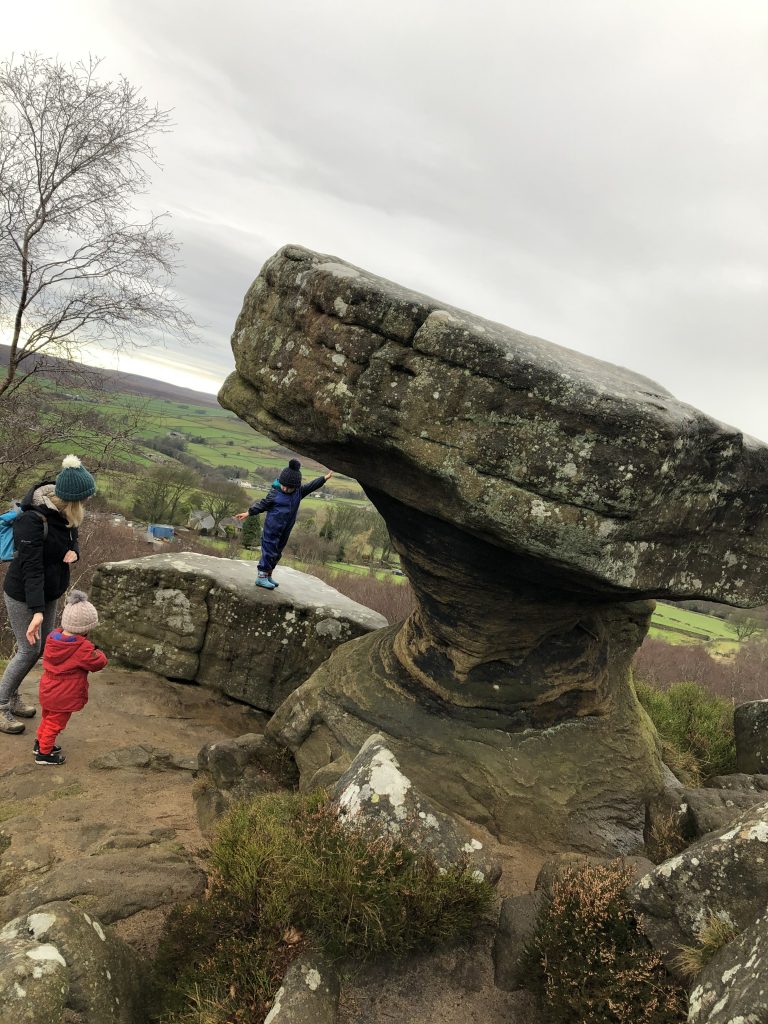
45,538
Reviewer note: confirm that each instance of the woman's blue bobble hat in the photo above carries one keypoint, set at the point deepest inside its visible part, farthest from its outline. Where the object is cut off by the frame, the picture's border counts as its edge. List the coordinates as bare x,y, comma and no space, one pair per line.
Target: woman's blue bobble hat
74,482
291,475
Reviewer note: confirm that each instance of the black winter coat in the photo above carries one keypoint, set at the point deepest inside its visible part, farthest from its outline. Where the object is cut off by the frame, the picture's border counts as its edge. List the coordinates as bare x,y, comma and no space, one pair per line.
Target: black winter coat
38,573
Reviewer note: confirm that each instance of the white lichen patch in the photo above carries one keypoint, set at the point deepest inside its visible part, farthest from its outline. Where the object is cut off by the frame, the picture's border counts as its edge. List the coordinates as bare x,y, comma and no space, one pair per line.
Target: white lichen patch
312,978
175,608
46,953
40,923
472,846
272,1015
99,931
19,992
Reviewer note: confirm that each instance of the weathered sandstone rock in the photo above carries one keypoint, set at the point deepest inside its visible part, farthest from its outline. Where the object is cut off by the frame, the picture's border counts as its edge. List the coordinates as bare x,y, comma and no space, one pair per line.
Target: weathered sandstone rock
733,987
725,874
375,792
200,618
309,993
58,958
750,724
237,769
536,497
115,885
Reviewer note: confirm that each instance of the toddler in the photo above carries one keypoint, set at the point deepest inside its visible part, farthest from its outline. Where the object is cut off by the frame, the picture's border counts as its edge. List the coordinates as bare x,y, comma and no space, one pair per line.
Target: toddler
67,659
282,506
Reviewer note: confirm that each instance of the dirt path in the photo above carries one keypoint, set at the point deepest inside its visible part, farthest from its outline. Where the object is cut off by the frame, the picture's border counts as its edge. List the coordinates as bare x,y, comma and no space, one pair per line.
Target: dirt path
53,816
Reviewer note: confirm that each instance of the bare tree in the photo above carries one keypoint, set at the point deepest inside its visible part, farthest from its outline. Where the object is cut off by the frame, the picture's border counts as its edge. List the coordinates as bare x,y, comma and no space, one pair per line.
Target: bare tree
161,495
219,500
75,264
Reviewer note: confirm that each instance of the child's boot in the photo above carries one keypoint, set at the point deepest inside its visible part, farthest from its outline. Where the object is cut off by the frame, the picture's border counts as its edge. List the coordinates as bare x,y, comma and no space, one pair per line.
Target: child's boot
273,582
53,758
263,580
36,748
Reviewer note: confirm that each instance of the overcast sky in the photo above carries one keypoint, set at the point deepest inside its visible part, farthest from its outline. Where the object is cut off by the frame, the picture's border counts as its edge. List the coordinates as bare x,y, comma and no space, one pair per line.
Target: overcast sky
590,171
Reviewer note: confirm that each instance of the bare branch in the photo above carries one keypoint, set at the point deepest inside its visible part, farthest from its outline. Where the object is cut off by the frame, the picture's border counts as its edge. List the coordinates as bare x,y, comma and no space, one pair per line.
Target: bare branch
75,264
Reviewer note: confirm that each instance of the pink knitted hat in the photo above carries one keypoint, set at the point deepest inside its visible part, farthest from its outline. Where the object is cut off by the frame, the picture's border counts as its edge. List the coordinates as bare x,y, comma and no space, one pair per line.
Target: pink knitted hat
79,615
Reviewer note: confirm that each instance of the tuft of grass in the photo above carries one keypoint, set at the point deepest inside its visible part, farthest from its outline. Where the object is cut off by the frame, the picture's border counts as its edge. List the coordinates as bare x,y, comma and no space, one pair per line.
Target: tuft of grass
665,838
589,963
716,932
694,723
284,874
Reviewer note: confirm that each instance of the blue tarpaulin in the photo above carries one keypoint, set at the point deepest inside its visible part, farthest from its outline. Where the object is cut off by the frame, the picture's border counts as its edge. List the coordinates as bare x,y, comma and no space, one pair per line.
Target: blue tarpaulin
160,530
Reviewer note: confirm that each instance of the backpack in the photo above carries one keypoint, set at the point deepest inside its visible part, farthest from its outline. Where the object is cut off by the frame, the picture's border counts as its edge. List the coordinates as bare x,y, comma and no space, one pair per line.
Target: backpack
7,520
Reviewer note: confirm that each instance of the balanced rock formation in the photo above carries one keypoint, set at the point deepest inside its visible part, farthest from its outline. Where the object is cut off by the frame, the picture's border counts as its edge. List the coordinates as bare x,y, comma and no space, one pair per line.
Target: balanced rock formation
199,618
537,498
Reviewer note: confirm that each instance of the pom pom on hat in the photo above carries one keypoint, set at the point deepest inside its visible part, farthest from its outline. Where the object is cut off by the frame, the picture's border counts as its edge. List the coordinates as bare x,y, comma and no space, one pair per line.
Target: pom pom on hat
74,482
291,475
79,615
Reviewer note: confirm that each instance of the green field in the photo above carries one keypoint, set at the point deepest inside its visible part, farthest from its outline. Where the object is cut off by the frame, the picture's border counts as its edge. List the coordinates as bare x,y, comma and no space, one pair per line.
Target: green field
679,626
227,440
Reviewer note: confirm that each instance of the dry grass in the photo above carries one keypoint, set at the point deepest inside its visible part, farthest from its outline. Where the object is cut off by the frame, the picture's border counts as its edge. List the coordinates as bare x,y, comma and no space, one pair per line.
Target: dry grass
714,933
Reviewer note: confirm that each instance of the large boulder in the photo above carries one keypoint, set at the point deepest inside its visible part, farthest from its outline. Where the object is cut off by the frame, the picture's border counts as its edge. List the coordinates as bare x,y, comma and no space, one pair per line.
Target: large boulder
723,875
750,725
536,497
200,618
58,958
374,792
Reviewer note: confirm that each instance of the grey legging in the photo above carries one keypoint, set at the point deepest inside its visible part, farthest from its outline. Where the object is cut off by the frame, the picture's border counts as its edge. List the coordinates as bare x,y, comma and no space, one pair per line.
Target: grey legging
26,656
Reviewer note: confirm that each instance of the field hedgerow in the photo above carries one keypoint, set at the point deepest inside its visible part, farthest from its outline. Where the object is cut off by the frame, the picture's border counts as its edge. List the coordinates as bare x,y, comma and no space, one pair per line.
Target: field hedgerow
285,873
589,962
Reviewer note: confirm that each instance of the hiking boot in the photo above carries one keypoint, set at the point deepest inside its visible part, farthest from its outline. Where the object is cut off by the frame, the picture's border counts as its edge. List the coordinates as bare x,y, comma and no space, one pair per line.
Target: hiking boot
36,749
20,709
7,722
266,582
52,758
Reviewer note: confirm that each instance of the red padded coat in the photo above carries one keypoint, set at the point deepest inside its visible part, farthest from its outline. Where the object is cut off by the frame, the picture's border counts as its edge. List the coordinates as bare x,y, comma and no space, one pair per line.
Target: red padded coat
66,664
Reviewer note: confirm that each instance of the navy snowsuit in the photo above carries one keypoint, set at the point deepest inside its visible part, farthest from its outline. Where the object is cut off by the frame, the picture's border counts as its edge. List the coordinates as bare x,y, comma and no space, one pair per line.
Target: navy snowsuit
281,509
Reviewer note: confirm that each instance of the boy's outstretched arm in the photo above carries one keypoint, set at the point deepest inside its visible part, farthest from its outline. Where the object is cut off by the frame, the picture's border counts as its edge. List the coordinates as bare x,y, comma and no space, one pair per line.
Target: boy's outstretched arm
315,484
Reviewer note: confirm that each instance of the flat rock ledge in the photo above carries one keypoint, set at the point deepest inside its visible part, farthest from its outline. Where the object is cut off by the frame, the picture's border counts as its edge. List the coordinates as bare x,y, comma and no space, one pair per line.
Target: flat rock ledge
201,619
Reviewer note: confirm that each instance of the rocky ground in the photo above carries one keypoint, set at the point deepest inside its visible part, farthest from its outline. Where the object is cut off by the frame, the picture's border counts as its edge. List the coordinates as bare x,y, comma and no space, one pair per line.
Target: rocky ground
123,842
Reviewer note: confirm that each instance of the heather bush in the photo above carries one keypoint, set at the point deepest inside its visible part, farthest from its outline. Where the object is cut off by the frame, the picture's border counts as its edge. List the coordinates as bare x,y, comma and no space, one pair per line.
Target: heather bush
589,962
284,874
694,723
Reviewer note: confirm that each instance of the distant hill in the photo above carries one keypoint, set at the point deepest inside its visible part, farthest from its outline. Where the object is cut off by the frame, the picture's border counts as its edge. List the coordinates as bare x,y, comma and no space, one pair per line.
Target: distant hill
114,380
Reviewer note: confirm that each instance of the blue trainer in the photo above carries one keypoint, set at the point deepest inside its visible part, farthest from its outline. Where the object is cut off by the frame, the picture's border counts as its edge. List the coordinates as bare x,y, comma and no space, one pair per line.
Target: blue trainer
266,582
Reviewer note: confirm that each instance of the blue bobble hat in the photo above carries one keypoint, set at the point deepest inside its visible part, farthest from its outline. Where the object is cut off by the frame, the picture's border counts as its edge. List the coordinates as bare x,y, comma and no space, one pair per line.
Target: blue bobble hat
291,475
74,482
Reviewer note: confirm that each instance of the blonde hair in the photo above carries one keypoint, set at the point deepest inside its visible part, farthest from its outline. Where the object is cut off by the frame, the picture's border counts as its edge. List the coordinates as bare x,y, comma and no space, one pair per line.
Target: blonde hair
73,511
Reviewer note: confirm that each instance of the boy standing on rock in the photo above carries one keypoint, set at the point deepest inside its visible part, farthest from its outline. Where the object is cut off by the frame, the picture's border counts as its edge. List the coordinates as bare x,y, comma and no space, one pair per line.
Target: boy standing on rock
281,505
68,658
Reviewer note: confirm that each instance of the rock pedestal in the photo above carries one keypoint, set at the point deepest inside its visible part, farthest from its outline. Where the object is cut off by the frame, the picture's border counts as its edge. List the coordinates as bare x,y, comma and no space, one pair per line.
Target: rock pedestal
537,498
